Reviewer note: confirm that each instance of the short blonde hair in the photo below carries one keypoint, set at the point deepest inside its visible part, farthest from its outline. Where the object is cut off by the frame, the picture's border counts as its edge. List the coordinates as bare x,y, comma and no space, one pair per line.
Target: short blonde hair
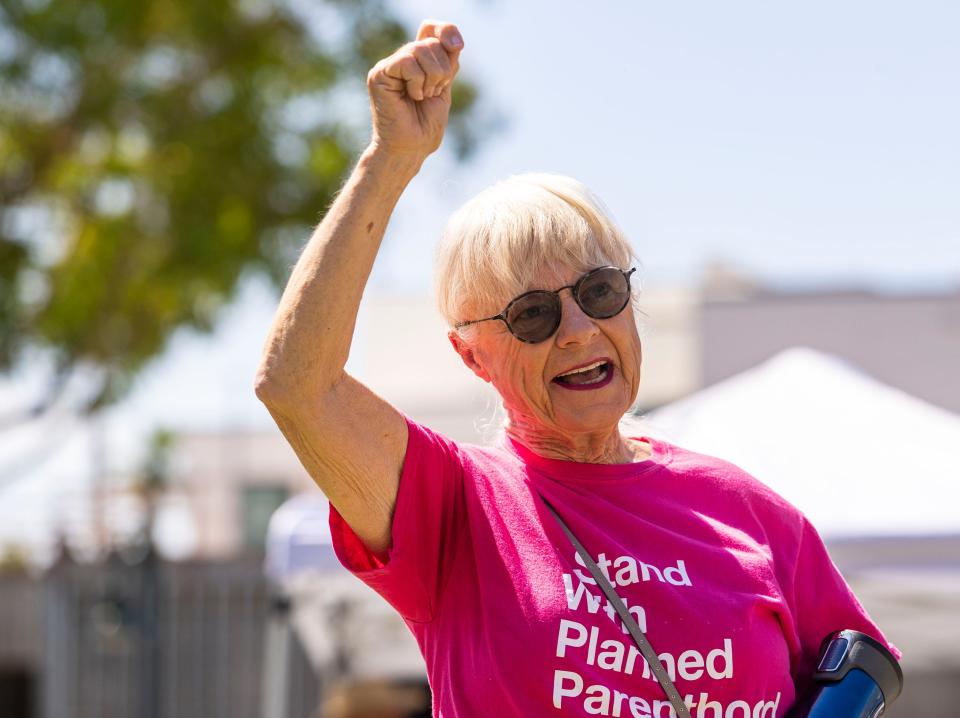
495,245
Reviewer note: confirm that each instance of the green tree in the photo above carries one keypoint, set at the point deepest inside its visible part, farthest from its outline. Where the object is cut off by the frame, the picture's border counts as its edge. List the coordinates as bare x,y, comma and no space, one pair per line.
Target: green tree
153,151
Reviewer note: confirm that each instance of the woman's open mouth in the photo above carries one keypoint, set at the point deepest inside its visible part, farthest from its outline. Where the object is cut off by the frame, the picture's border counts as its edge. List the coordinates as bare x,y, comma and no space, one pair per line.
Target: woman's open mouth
592,376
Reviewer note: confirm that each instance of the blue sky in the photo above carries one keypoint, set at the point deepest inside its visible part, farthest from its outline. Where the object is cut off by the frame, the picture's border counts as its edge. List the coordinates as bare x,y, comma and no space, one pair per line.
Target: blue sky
806,143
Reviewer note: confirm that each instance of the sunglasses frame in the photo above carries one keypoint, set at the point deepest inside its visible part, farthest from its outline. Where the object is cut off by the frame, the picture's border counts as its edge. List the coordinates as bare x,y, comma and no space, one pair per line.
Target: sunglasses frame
575,287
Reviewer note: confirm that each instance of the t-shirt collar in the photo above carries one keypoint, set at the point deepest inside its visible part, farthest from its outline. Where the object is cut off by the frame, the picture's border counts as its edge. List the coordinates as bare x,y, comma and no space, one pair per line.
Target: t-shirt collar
579,471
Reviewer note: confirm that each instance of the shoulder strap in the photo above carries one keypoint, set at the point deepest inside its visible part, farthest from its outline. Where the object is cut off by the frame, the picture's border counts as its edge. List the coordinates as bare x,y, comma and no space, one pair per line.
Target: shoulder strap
642,643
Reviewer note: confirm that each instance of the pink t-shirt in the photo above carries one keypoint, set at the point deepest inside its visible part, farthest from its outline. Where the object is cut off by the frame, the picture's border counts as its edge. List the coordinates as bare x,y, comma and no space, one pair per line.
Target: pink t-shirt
731,584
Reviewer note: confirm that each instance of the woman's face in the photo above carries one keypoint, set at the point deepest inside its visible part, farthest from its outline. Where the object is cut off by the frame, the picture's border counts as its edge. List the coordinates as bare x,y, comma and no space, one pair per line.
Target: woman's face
530,377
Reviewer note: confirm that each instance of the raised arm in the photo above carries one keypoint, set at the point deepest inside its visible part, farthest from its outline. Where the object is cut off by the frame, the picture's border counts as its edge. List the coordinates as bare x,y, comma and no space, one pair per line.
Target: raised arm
351,441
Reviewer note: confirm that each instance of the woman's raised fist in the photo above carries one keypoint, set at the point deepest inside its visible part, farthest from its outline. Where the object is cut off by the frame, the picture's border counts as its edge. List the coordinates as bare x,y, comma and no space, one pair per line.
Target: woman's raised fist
410,90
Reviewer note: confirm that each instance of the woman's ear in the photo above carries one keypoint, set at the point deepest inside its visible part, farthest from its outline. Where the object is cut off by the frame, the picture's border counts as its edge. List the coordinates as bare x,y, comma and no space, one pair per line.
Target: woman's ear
467,355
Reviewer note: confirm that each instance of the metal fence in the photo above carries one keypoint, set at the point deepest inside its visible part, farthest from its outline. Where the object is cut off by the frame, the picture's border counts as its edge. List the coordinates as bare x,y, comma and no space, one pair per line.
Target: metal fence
145,638
20,644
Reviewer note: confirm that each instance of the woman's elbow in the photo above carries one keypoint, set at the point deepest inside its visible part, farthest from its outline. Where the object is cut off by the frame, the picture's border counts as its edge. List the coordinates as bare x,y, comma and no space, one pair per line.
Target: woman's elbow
267,387
279,391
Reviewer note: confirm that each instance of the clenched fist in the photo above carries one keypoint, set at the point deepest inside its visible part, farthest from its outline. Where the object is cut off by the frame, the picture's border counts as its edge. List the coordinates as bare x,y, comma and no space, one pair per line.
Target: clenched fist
410,90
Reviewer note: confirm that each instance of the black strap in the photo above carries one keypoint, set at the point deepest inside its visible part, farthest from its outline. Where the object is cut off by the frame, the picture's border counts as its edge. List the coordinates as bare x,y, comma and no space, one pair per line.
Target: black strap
642,643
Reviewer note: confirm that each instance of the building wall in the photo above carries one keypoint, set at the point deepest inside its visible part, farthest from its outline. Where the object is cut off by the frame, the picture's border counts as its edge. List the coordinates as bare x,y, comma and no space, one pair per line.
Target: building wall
909,342
212,470
669,322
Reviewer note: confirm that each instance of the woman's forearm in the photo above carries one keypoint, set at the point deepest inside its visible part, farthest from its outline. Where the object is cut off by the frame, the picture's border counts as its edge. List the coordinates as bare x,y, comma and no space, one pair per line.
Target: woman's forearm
308,343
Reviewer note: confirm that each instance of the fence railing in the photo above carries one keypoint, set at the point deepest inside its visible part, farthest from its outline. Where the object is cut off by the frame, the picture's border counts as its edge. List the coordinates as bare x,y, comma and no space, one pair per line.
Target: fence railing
146,638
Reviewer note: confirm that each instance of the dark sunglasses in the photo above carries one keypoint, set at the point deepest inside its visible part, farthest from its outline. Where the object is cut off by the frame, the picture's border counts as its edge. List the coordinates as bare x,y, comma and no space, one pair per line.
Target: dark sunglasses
534,316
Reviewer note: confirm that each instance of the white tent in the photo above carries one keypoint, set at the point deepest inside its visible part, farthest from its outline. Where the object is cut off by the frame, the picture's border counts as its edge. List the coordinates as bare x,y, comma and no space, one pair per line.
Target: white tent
858,457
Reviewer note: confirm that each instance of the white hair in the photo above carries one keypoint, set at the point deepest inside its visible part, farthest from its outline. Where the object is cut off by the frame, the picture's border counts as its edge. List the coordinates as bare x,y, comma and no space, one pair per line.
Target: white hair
494,246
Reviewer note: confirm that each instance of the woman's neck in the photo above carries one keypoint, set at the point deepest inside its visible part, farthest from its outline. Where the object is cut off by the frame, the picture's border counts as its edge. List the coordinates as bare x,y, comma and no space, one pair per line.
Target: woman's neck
609,447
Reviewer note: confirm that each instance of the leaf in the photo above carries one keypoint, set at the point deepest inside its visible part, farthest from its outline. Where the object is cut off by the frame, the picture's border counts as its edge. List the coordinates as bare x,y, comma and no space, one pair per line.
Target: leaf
152,152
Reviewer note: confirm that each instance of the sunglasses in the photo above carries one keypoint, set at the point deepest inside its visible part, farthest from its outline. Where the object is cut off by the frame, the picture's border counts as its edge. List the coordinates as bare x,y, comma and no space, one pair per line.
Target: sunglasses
534,316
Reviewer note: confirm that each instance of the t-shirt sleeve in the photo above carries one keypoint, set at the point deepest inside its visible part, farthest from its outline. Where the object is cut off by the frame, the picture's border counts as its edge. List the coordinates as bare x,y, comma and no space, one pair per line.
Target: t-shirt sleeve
823,602
427,523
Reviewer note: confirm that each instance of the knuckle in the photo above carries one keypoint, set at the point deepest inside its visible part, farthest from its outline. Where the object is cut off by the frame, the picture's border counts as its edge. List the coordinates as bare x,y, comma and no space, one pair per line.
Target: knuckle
425,53
373,79
403,51
409,64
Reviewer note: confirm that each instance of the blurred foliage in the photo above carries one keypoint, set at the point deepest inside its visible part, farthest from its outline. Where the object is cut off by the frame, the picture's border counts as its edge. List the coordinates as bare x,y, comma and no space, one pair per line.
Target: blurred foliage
14,559
153,151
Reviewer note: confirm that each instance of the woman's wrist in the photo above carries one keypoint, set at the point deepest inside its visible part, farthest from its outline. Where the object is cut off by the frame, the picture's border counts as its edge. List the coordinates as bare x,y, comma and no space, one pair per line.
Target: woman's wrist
401,163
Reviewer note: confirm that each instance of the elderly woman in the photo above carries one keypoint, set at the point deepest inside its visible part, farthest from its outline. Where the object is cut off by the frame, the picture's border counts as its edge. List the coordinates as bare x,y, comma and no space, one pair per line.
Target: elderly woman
730,583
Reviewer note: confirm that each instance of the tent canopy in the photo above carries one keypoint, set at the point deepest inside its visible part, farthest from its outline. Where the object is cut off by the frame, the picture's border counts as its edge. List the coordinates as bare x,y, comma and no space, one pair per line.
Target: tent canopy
858,457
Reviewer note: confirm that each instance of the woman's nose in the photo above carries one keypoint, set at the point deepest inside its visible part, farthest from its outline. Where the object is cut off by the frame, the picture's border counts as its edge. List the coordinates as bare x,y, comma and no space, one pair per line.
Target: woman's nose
575,326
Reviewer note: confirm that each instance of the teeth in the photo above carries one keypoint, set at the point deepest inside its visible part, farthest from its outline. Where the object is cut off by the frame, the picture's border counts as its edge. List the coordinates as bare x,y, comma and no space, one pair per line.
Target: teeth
584,368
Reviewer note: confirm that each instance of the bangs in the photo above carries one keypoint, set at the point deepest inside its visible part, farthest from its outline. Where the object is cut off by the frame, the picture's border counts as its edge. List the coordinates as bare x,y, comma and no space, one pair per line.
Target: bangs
499,244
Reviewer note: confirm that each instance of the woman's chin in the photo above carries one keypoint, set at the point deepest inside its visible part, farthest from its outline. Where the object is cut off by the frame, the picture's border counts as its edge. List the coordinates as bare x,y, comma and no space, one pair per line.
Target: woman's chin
589,417
592,403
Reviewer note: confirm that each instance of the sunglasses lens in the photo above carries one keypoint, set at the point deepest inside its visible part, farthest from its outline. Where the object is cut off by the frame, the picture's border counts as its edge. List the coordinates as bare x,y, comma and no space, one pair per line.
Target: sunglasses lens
603,293
534,316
